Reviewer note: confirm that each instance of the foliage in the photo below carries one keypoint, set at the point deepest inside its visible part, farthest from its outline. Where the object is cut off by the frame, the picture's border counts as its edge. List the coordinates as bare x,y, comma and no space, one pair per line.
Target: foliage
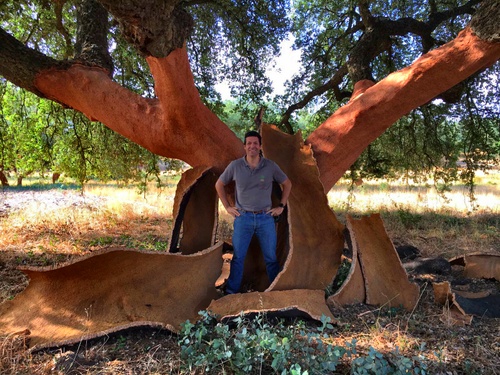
439,141
39,135
25,137
327,34
374,362
236,41
258,345
340,277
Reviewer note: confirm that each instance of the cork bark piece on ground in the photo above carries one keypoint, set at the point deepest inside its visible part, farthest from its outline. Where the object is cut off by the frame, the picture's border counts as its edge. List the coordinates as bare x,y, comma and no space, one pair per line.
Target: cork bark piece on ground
195,212
481,304
386,281
298,302
110,291
453,314
480,266
315,235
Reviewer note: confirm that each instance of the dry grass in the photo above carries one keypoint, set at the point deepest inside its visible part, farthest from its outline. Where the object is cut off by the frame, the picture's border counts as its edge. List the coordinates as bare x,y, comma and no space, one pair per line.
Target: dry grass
114,215
439,225
110,215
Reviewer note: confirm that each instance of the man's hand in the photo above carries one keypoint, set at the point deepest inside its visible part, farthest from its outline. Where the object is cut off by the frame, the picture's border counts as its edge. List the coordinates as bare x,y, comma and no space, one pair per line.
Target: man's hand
276,211
233,211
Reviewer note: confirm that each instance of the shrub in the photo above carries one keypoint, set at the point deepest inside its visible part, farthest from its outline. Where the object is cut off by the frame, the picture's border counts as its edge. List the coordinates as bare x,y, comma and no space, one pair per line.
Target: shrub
257,345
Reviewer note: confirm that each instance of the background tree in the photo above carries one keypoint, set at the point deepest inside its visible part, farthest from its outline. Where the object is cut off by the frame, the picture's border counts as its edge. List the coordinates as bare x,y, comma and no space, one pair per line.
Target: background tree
39,135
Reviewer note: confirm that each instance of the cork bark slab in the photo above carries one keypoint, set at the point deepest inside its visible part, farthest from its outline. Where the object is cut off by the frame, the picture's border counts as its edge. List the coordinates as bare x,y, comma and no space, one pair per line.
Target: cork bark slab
315,235
386,281
453,313
352,290
308,303
110,291
481,304
481,266
195,212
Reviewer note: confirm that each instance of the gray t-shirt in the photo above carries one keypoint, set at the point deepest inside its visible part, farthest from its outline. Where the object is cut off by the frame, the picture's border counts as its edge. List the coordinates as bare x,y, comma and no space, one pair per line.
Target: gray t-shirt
253,186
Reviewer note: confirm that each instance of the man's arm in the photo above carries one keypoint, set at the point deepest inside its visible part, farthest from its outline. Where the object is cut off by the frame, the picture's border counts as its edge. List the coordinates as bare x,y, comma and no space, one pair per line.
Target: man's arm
221,191
286,188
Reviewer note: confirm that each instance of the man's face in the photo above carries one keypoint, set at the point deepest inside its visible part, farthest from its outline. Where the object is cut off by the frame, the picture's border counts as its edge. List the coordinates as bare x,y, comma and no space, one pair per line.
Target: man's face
252,146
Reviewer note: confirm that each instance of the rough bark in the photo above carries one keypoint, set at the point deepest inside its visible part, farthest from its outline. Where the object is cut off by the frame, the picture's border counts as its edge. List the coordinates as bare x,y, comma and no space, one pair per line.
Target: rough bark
485,22
164,26
20,65
91,41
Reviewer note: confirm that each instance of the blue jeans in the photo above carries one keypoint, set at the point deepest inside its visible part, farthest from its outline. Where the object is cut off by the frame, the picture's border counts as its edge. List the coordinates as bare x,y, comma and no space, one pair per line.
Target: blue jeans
245,226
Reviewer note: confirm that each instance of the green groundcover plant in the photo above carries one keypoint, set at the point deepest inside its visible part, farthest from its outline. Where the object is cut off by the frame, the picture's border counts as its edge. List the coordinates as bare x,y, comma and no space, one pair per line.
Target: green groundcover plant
277,346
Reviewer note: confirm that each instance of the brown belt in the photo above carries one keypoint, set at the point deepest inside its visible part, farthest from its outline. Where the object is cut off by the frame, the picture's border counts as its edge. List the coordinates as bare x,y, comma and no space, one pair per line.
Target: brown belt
254,212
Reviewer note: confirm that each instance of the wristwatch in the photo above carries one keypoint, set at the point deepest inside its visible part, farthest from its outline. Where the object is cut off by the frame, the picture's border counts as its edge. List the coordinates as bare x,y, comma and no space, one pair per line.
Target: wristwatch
282,205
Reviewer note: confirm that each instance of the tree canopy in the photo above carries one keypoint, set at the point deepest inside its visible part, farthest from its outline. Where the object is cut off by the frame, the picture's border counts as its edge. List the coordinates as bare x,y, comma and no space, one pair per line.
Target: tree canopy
342,43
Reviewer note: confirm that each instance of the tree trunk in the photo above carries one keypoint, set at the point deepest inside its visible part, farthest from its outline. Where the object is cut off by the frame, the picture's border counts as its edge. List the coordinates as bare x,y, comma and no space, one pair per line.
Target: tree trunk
3,179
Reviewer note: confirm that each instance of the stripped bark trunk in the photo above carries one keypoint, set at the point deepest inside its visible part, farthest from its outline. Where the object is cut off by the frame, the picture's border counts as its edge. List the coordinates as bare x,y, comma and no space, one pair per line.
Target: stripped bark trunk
178,125
373,108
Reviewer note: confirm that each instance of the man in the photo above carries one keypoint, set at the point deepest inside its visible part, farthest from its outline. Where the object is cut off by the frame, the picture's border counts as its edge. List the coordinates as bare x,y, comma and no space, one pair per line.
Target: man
253,213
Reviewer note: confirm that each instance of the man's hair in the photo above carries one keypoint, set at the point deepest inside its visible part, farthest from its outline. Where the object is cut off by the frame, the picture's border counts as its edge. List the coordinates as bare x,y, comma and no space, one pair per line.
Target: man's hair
252,133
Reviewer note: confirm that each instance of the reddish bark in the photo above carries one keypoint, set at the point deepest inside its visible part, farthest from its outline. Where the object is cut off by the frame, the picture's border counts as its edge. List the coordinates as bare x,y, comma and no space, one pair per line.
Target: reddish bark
339,141
179,125
176,125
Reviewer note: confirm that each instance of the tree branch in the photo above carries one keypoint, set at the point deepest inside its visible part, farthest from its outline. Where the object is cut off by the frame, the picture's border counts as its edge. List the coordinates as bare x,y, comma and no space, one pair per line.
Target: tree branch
331,84
339,141
91,40
20,64
60,27
155,27
377,38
